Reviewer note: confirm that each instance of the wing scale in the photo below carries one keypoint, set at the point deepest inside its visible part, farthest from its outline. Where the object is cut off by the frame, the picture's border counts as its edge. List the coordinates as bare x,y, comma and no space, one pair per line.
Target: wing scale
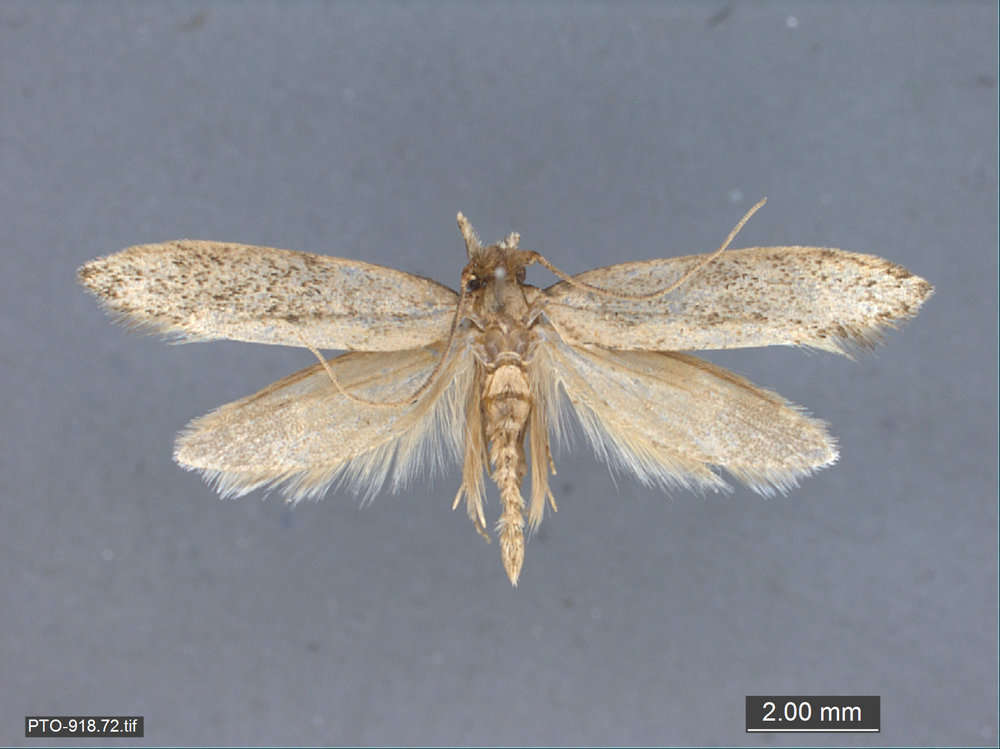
199,291
669,418
762,296
303,434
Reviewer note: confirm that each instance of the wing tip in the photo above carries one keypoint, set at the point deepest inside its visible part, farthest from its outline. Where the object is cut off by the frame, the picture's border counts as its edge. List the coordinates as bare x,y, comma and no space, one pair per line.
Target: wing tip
111,289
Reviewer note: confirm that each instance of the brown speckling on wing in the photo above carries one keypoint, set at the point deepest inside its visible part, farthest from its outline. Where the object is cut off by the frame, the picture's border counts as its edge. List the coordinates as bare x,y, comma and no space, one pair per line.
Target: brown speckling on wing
762,296
197,290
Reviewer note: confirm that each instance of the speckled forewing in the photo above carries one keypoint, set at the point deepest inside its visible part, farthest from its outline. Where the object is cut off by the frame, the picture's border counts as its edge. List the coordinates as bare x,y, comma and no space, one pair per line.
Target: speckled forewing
303,434
197,290
670,417
762,296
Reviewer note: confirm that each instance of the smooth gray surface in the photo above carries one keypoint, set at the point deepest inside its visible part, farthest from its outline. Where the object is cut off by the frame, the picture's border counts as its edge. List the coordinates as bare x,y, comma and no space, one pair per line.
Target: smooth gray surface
602,133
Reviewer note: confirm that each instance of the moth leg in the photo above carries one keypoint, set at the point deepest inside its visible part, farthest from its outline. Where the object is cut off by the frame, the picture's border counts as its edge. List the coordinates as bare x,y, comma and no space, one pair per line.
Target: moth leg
474,510
481,529
541,462
474,464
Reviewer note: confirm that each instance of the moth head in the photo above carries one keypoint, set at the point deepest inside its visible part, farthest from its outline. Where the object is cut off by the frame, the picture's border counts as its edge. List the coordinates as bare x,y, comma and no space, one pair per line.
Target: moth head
493,263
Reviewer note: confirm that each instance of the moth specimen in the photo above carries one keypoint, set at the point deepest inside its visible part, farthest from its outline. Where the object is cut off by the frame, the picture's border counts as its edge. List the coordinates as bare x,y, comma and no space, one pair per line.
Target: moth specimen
484,374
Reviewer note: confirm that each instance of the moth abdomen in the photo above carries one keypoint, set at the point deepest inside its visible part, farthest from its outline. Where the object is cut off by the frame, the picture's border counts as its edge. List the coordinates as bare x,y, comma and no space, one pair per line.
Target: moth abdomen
507,405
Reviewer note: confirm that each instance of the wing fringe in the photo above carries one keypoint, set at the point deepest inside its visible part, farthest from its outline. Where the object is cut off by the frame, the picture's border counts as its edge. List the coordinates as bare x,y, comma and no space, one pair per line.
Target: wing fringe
430,436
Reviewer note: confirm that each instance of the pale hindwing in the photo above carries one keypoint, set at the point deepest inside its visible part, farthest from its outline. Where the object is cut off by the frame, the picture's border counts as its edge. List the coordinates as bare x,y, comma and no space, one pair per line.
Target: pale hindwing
762,296
197,291
669,418
302,434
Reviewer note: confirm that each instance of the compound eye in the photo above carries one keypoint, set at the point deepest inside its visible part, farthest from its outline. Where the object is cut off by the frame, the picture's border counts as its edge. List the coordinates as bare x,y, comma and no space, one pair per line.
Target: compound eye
473,283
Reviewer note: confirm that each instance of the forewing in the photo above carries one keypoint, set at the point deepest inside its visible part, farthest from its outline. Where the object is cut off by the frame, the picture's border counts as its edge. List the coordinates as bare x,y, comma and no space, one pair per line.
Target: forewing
762,296
197,291
303,434
670,418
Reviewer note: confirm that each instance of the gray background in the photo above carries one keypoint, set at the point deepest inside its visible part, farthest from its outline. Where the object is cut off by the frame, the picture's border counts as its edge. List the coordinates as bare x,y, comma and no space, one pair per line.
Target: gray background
602,133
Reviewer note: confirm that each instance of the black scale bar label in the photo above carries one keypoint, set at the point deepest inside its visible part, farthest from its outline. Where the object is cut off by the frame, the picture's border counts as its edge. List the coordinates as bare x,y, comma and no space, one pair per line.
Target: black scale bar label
837,713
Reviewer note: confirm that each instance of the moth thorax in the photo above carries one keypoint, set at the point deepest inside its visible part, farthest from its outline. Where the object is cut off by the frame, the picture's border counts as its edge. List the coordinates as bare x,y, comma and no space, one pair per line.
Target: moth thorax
507,342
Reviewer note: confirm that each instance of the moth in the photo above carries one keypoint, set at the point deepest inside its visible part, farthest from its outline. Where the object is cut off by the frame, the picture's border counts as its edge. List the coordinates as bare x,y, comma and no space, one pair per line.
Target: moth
487,374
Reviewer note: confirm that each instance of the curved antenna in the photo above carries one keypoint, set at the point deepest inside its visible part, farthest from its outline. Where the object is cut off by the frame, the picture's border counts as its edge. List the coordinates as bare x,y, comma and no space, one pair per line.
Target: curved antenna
541,260
472,247
415,396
